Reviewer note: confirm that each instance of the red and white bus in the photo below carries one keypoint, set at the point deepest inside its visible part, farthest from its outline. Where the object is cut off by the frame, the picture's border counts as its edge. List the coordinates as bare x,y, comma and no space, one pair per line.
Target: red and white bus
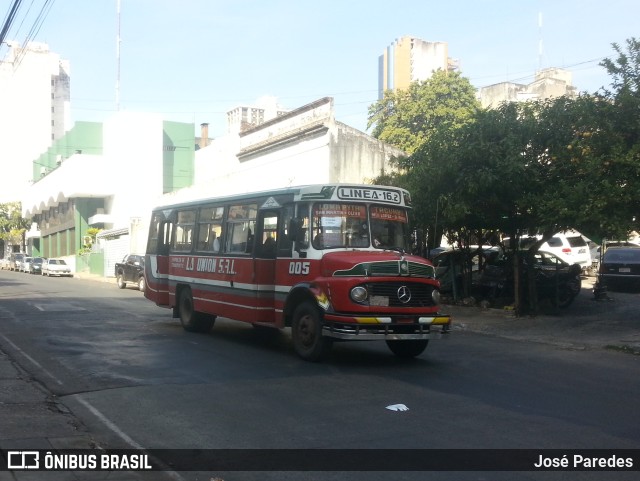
328,261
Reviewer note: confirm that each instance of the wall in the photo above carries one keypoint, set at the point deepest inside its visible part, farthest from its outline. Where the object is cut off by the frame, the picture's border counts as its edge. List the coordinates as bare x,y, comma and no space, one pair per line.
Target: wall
358,157
133,164
177,156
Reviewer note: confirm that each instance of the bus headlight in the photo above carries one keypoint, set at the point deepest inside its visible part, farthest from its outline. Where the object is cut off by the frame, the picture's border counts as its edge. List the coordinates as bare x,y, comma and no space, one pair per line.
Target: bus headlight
435,295
359,294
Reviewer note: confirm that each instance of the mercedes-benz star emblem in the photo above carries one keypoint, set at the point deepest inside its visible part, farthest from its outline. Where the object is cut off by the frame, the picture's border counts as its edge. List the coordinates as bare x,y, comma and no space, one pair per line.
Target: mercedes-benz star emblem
404,294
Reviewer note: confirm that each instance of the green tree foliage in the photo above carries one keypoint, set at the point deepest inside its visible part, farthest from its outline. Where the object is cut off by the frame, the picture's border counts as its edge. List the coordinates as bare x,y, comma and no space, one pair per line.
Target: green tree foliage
541,166
12,225
407,118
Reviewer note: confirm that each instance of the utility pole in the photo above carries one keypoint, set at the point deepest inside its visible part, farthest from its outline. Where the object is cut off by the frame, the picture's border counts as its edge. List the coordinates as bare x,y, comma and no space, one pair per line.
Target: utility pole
118,40
539,41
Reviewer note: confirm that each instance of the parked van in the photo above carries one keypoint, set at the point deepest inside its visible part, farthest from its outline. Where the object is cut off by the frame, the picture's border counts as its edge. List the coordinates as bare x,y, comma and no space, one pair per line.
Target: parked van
15,261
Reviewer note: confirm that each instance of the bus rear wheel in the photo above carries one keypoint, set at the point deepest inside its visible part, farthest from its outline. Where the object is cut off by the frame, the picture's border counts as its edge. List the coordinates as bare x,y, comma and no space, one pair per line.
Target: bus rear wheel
409,348
191,320
306,330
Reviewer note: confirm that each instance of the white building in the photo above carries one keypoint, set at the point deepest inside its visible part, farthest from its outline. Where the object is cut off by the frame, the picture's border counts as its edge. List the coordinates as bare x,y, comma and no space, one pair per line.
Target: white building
34,112
548,83
135,158
304,146
244,117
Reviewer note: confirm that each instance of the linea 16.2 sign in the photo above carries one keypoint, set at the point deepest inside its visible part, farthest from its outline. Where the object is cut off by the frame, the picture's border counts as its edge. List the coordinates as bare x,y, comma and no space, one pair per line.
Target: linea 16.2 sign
371,194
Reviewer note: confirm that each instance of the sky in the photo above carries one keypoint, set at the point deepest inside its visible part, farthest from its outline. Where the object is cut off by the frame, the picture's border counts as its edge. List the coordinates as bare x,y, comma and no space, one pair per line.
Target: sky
193,60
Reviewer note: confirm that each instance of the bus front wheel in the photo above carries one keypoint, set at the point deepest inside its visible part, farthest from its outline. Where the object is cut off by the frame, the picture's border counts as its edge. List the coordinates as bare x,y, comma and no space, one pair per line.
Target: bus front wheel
306,330
191,320
408,348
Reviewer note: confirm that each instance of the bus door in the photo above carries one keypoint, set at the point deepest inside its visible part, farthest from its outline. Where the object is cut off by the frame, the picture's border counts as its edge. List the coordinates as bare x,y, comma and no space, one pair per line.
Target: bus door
266,248
157,260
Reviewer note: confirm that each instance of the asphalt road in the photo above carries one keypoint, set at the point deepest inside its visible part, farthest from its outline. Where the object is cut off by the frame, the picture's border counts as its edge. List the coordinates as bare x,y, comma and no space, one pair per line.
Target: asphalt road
132,377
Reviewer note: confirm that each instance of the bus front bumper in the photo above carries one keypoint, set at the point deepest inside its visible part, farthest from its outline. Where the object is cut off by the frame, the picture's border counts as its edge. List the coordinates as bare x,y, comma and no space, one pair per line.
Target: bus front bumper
386,328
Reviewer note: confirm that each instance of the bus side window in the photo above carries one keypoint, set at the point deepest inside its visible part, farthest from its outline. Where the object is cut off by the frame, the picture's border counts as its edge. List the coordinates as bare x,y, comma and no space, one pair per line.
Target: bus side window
210,229
159,235
268,235
285,236
154,233
240,228
165,239
184,230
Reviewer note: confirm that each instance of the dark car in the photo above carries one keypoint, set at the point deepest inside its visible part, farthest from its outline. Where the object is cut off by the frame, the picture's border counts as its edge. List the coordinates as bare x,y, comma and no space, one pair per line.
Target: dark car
489,275
35,266
556,281
620,268
131,269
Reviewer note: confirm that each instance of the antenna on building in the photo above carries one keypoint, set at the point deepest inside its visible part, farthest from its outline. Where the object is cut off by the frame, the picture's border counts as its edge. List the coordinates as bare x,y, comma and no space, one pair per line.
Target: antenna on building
539,40
118,40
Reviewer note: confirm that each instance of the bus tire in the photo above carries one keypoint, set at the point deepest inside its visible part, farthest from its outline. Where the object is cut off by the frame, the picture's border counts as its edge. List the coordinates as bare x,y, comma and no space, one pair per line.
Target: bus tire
306,330
191,320
409,348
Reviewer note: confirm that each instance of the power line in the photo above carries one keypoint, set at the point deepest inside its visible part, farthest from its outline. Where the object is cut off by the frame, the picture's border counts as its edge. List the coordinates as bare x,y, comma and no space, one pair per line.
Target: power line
35,28
11,14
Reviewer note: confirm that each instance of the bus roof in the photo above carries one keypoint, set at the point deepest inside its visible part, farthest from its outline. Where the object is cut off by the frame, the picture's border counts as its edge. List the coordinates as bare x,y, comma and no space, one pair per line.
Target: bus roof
340,192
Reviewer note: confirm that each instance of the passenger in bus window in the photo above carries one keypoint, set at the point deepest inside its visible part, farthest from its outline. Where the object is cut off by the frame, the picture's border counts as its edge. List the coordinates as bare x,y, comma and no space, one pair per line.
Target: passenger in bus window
214,242
249,244
318,240
269,247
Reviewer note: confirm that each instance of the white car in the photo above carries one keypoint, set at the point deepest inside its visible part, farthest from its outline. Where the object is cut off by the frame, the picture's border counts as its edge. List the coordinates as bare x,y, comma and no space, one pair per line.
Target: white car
570,246
24,265
56,267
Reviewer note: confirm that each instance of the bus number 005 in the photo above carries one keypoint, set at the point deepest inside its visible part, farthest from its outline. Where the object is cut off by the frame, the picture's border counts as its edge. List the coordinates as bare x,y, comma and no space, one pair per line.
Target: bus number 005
300,268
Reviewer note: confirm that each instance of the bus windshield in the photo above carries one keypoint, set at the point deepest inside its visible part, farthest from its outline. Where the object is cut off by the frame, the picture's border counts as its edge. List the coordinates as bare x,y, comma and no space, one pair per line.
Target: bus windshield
336,225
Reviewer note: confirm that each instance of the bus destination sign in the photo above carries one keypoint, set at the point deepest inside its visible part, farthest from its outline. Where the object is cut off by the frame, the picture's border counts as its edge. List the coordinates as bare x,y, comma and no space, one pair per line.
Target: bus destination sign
370,194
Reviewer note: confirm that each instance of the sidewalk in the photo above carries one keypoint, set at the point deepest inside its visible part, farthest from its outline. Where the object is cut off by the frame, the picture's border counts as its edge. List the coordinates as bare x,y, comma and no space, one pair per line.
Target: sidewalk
588,323
32,418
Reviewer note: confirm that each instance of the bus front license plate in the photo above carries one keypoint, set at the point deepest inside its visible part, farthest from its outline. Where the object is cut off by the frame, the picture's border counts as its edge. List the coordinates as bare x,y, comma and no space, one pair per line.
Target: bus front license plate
379,301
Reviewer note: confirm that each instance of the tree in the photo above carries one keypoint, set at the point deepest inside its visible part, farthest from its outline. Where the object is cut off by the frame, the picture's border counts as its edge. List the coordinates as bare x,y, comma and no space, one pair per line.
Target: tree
535,167
12,225
406,118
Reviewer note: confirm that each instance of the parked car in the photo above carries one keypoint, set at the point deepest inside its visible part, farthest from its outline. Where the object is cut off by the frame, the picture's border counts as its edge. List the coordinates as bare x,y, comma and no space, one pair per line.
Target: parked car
598,250
131,269
15,259
620,268
457,264
570,246
24,265
4,263
489,275
556,280
56,267
35,266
